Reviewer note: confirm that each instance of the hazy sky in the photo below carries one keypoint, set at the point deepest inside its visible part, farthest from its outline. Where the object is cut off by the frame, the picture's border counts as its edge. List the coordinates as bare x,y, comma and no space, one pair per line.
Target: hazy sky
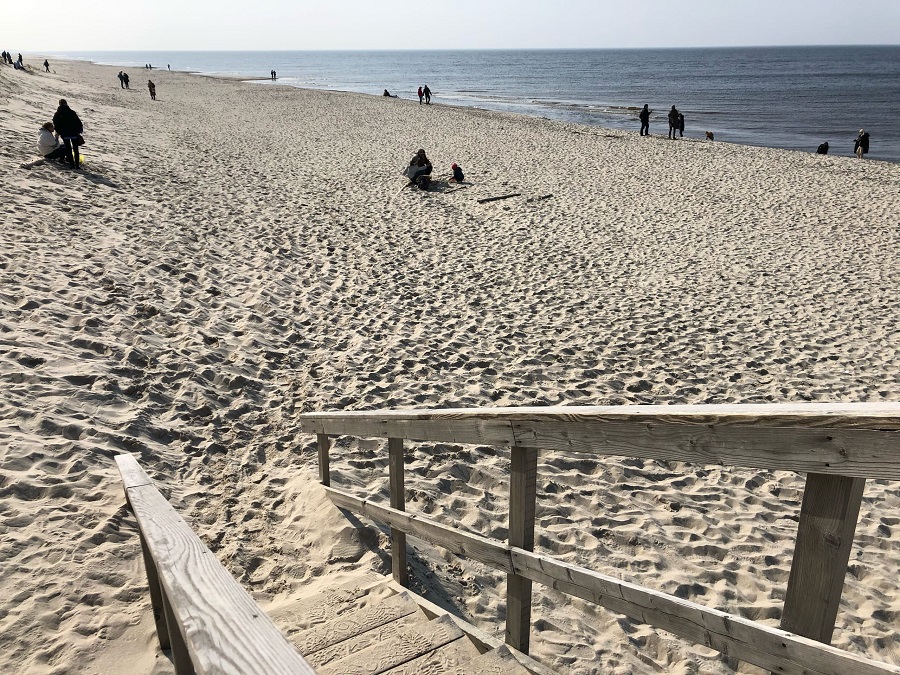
64,25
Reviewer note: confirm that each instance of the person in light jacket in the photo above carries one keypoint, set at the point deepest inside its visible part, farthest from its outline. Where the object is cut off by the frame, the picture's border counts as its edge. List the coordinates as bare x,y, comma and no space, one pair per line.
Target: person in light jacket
49,146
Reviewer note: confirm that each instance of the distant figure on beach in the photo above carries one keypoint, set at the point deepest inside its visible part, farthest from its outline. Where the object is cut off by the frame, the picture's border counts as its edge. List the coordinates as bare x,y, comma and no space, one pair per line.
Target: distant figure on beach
152,88
458,176
168,66
125,80
710,136
46,66
274,75
680,125
68,126
386,93
49,145
673,122
121,77
419,170
420,95
822,149
21,65
427,92
861,147
645,120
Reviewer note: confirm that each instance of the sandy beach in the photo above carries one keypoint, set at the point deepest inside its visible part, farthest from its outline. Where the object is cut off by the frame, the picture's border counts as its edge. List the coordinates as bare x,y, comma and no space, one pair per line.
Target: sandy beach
233,254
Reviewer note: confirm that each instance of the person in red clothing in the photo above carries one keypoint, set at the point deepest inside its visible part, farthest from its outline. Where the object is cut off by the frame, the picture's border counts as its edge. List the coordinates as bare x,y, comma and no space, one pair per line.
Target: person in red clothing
420,95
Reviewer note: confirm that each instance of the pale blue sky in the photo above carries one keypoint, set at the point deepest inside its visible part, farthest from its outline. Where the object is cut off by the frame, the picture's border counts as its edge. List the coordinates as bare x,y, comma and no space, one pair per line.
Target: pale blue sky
63,25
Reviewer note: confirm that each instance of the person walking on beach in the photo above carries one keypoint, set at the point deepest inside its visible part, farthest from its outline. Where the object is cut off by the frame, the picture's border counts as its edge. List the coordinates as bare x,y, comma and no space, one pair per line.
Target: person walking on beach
121,79
645,120
125,80
68,126
427,92
152,88
46,66
861,146
420,95
673,122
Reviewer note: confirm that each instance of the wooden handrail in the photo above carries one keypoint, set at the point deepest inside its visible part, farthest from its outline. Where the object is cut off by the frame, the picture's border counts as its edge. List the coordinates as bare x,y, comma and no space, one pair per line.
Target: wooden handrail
847,439
756,643
207,618
837,445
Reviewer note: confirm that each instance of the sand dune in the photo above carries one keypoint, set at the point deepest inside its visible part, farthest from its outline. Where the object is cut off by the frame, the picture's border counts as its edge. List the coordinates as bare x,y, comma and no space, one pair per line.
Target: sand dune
234,254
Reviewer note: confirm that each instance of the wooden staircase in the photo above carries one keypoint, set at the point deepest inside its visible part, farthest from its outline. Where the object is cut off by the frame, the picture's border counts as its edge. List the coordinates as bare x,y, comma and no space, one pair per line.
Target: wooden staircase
377,627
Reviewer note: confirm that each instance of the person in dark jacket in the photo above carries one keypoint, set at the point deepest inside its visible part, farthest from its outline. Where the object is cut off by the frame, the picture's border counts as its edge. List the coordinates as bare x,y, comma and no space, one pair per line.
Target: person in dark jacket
46,66
152,88
822,149
673,122
426,92
861,147
680,125
125,80
68,126
645,120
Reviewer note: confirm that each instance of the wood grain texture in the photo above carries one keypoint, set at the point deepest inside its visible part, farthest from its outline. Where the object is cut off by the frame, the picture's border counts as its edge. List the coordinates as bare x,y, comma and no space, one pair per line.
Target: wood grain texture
351,624
224,629
324,443
449,659
357,643
769,648
828,518
408,645
522,495
841,439
131,472
399,568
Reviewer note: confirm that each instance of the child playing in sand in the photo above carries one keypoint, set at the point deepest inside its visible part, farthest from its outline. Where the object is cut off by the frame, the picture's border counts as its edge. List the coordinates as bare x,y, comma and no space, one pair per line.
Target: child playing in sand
458,176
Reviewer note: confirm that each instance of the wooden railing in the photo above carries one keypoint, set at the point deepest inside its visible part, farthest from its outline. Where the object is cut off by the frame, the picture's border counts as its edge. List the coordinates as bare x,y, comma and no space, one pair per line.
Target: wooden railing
207,619
838,446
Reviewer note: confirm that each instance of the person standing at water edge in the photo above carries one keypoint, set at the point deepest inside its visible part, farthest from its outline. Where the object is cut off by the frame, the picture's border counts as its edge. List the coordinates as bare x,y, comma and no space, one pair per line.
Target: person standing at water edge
673,122
680,125
68,126
420,95
427,92
645,120
862,143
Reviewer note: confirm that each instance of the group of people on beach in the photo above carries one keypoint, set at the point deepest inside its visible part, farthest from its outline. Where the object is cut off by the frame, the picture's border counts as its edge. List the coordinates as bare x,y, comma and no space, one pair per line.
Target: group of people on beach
424,93
675,118
8,59
420,168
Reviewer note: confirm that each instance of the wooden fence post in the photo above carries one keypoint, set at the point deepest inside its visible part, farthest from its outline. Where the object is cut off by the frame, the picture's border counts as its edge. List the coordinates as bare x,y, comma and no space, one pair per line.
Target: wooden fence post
824,537
522,491
324,470
398,501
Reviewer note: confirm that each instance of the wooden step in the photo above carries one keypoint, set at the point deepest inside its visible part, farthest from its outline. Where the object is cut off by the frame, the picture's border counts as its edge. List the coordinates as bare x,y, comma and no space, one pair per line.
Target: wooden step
408,645
362,641
499,661
453,657
353,623
327,605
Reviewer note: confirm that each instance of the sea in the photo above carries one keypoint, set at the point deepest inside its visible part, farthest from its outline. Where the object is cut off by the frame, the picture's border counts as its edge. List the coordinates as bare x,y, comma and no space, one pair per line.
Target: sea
780,97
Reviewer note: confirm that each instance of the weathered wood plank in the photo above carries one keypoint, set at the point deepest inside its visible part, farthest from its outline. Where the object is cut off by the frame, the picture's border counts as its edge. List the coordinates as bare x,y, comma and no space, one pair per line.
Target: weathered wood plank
828,518
224,629
841,439
373,636
156,598
522,494
407,646
459,542
324,443
451,658
351,624
398,501
769,648
131,472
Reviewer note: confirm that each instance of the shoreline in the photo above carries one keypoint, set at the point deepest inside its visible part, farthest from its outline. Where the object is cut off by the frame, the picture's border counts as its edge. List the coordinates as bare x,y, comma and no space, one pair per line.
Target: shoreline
610,112
233,255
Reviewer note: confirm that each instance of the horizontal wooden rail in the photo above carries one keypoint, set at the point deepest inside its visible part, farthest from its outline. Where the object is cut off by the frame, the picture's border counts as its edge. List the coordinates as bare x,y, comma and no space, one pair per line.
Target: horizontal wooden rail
850,439
211,622
746,640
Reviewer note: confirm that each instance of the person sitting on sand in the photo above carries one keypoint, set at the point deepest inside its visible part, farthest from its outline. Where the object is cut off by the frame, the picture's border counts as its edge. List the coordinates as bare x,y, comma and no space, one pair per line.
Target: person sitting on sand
419,170
49,146
386,93
822,149
458,176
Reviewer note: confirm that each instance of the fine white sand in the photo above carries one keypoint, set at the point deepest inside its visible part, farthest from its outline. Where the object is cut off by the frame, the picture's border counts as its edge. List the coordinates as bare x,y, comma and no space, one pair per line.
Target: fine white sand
235,254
